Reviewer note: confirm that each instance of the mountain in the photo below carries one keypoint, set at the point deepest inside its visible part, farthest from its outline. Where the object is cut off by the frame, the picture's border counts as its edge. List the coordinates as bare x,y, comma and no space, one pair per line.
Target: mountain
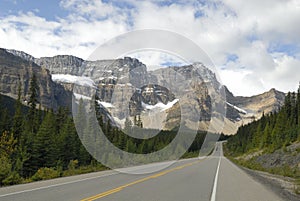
255,106
126,83
15,70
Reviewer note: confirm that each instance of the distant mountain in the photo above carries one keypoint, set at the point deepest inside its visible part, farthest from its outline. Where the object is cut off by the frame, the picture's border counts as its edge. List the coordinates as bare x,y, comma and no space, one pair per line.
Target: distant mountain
255,106
128,79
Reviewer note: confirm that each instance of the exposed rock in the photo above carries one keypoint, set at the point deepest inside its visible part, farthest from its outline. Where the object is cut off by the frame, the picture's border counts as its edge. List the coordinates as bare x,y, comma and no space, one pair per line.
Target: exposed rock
15,70
127,83
62,64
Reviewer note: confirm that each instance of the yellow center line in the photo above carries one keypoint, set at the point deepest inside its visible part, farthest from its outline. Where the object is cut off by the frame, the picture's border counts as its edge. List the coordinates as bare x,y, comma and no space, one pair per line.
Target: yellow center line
115,190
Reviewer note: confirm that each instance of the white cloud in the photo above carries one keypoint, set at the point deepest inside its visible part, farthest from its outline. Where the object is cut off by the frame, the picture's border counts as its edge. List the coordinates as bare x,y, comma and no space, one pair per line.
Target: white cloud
77,34
243,81
286,72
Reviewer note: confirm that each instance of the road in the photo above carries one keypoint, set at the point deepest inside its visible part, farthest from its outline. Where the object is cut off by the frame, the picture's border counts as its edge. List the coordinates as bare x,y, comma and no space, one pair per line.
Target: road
206,179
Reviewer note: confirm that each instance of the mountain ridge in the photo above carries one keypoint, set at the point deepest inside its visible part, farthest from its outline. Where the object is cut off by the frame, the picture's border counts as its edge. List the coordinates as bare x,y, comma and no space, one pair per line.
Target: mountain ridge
108,74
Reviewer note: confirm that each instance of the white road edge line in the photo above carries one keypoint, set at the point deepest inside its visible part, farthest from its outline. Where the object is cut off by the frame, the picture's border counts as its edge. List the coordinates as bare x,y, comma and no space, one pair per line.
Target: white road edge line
55,185
214,192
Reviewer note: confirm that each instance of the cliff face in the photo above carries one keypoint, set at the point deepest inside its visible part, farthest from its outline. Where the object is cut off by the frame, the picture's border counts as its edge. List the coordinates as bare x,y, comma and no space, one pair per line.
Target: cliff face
255,106
127,83
15,70
62,64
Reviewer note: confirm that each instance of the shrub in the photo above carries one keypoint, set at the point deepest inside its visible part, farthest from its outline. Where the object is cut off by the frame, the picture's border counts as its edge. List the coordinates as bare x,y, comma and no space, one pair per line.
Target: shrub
5,168
73,164
45,173
13,178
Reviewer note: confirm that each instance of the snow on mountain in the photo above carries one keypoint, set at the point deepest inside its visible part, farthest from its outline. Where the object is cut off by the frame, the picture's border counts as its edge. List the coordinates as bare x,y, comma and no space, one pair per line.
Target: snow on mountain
72,79
80,96
106,104
237,108
159,106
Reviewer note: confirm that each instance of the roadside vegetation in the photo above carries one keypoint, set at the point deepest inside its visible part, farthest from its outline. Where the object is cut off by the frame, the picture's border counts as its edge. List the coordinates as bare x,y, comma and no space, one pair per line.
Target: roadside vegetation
271,144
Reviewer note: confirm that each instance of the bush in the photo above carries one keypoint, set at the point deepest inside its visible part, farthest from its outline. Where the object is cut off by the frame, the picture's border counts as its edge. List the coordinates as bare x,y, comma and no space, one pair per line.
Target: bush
45,173
13,178
73,164
5,168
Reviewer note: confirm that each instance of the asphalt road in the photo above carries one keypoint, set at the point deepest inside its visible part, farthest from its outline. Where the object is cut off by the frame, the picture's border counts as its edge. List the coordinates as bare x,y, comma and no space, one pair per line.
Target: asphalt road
206,179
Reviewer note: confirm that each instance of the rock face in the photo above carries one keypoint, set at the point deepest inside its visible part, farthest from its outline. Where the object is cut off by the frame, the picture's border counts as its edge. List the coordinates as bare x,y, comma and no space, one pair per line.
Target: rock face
255,106
62,64
15,70
127,83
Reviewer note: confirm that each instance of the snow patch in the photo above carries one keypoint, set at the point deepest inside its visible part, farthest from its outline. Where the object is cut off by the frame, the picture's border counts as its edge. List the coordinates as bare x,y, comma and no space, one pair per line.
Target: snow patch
80,96
159,106
106,104
72,79
237,108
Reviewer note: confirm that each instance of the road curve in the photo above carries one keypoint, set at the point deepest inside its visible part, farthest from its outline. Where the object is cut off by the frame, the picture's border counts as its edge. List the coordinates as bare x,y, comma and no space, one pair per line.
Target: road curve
207,179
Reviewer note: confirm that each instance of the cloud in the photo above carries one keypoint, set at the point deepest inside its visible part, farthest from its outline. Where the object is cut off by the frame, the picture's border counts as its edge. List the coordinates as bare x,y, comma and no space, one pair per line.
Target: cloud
285,72
77,34
247,30
263,36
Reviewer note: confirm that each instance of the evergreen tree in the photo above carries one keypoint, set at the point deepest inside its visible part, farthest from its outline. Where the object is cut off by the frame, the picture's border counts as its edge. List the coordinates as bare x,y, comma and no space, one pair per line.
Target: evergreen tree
68,140
127,125
80,118
5,120
44,149
18,117
32,125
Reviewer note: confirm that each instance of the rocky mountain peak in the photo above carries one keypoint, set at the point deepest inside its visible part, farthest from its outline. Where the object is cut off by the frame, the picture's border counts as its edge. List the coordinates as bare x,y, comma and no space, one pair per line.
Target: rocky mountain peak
21,54
61,64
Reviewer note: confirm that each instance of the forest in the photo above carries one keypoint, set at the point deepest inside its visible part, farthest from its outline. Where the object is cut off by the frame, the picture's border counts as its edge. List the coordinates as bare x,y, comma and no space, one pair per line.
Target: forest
38,143
272,132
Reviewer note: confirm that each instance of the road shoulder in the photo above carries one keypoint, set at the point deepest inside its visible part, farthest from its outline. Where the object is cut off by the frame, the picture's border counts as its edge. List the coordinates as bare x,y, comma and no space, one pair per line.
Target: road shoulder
280,185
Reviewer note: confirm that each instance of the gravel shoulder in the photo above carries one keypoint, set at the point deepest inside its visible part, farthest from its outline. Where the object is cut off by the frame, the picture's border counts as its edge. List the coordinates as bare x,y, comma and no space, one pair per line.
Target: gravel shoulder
282,186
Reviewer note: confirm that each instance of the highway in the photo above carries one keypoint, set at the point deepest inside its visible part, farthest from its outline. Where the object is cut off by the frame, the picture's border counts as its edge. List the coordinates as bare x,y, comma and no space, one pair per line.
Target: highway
200,179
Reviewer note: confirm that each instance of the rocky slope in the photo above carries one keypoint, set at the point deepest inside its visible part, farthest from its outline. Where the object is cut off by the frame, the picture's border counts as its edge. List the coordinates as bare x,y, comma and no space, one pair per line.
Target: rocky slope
126,82
255,106
15,70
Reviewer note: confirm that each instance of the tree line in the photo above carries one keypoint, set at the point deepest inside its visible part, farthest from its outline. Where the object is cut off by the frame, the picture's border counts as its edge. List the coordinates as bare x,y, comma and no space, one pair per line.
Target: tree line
273,131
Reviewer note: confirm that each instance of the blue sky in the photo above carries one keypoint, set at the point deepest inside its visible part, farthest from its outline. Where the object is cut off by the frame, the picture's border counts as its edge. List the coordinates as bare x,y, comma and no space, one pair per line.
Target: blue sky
255,45
49,9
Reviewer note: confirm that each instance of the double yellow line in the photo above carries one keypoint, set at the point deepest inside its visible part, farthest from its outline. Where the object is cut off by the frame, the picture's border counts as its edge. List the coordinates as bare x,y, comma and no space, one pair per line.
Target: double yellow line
115,190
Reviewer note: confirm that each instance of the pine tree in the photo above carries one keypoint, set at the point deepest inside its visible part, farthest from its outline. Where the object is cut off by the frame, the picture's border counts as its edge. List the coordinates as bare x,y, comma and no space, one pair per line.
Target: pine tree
68,141
80,119
7,144
288,104
32,125
128,125
266,139
5,121
18,116
44,149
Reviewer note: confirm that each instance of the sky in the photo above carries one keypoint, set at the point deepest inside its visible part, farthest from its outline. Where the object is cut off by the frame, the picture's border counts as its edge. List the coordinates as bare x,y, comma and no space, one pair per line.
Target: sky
254,45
